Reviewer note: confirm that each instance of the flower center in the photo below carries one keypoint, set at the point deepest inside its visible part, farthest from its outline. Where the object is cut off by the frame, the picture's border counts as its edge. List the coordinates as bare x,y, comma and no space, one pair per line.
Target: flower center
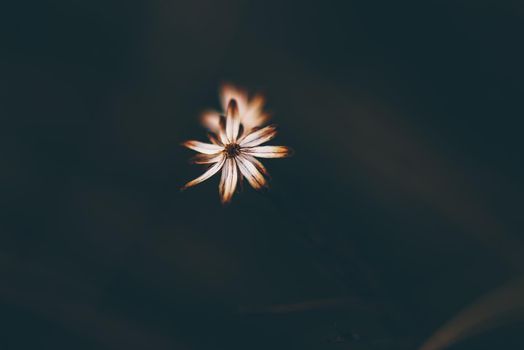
232,150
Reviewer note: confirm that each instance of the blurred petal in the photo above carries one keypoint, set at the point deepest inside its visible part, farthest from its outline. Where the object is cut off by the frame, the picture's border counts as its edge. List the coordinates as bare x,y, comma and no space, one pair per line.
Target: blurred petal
228,182
211,120
251,111
207,158
269,151
202,147
210,172
260,136
251,173
254,116
232,121
229,92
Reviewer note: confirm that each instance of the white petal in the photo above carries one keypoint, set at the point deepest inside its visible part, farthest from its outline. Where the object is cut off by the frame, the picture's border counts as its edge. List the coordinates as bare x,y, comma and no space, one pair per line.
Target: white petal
232,121
268,151
260,136
257,163
201,158
228,93
202,147
210,172
222,130
250,172
228,181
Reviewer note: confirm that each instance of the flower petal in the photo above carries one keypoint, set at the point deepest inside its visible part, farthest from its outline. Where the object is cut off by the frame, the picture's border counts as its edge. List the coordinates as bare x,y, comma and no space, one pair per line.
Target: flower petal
257,163
210,172
229,92
202,147
254,116
250,110
251,173
232,121
222,130
206,158
260,136
269,151
228,181
211,120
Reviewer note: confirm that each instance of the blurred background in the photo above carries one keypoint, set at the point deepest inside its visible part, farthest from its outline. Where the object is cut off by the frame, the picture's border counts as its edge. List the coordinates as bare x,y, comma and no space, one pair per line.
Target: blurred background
397,222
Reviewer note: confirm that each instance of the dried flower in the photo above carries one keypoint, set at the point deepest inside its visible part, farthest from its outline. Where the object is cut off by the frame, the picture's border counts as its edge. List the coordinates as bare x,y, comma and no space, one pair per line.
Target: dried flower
236,141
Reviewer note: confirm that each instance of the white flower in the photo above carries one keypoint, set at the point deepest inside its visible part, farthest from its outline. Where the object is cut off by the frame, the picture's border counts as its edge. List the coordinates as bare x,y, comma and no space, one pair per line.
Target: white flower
235,144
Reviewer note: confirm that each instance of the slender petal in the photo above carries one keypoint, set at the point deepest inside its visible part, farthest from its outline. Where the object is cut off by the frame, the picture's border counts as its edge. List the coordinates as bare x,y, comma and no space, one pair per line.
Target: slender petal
257,163
207,158
202,147
251,173
210,172
232,121
229,92
222,130
259,137
268,151
228,181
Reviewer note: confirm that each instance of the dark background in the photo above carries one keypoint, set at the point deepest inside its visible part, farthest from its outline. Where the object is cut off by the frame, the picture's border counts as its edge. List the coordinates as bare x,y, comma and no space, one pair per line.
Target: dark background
401,206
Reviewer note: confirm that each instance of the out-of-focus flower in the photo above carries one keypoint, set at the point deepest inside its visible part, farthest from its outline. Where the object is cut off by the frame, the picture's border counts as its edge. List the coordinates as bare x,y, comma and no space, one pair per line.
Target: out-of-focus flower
251,110
236,141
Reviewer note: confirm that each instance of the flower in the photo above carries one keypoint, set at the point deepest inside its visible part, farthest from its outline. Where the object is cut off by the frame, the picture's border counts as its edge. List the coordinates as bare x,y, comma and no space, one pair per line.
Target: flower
236,141
251,110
